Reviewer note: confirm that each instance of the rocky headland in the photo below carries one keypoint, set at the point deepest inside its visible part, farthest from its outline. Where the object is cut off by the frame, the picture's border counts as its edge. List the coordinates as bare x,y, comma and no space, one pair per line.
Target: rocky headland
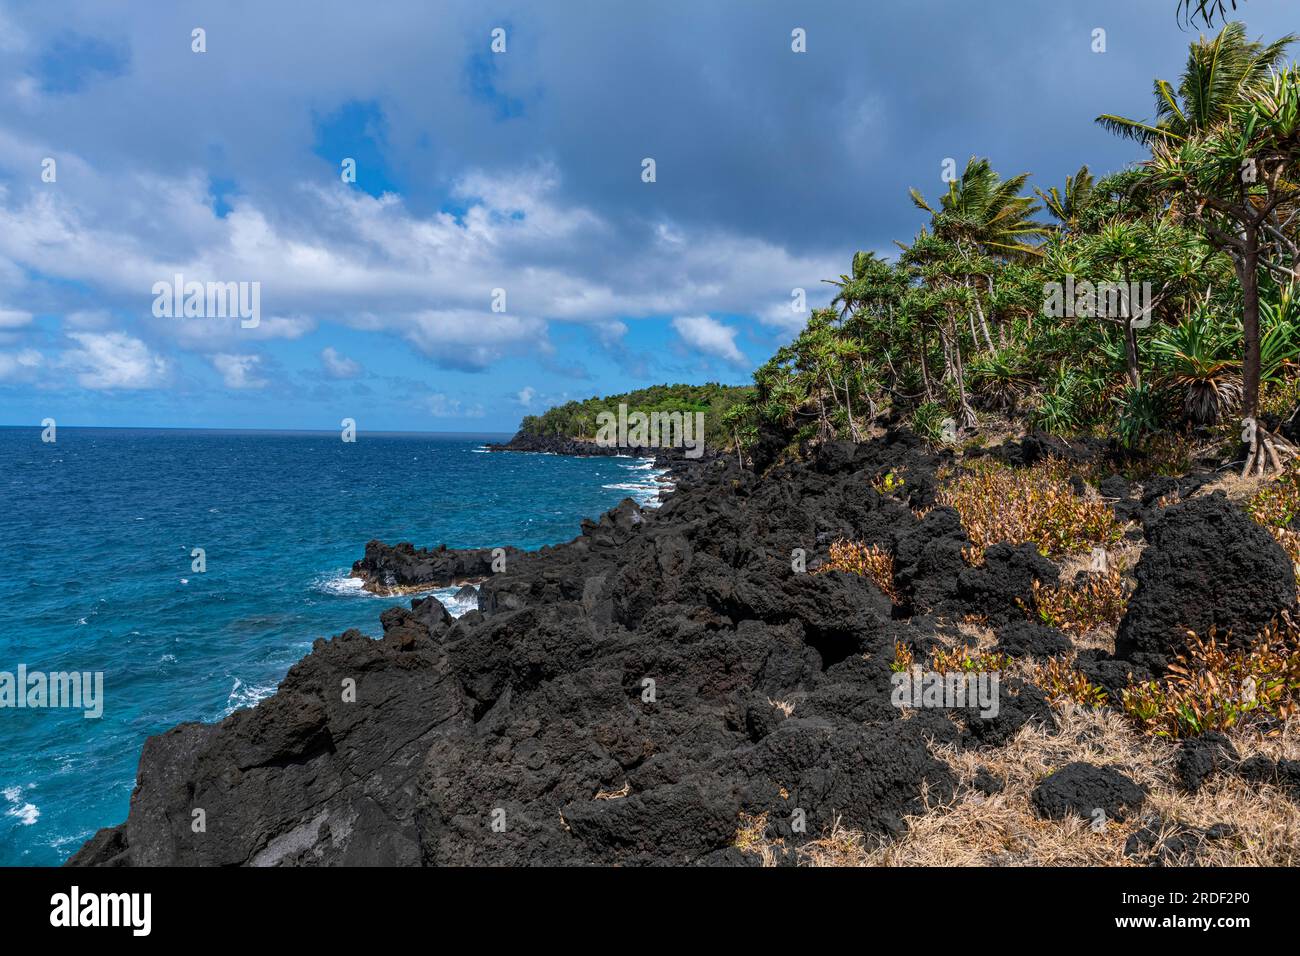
640,694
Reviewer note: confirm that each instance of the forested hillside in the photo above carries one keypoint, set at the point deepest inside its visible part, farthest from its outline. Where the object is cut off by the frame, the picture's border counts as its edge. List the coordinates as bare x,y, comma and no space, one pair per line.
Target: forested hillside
578,419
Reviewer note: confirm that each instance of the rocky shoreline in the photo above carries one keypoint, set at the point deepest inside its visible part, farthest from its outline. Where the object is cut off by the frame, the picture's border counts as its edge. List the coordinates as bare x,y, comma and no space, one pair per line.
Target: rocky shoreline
587,448
633,695
404,569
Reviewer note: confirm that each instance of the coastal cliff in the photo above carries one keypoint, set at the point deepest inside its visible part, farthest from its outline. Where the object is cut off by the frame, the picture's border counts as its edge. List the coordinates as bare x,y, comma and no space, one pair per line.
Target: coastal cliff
643,692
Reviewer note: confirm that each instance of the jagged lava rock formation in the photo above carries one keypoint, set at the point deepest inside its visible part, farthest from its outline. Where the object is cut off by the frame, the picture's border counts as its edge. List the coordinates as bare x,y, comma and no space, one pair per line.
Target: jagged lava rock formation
619,699
1206,567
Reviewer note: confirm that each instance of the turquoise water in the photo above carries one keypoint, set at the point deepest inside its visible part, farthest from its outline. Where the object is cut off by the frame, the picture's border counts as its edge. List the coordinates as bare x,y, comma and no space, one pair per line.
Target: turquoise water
96,533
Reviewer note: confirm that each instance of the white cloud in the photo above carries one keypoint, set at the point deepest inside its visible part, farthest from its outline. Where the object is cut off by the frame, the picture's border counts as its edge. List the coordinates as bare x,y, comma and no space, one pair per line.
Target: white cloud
780,315
440,406
707,335
109,360
526,395
338,366
89,319
19,366
340,255
14,318
237,371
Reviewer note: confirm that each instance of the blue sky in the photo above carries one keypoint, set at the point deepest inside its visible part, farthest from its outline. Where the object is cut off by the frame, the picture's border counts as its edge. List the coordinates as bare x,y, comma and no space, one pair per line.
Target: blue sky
479,170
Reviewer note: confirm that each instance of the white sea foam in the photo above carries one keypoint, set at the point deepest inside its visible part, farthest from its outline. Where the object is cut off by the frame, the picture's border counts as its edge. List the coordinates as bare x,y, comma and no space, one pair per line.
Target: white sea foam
456,607
648,491
341,584
629,486
645,493
246,695
24,812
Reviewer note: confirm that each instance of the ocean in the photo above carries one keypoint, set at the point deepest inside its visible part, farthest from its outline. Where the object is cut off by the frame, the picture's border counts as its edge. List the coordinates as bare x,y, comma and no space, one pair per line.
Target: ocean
96,575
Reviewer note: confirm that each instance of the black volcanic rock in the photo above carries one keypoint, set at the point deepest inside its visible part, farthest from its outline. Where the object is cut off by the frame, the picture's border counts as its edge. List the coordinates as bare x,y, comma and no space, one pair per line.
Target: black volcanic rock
928,559
1082,789
558,445
1002,586
1110,673
1037,446
621,698
1200,758
1173,844
1019,703
306,777
1281,773
1026,638
1207,565
587,448
391,569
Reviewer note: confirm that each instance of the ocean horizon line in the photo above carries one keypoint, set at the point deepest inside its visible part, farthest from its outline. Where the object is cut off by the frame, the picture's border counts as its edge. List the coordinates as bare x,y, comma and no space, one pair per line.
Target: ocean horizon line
259,431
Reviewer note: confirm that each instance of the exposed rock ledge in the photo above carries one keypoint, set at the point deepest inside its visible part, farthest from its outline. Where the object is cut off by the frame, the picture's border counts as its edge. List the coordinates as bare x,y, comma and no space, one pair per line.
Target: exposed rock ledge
402,568
529,732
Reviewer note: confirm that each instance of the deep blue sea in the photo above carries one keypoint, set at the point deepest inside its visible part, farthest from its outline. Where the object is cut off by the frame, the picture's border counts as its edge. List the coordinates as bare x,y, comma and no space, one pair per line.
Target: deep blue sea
96,533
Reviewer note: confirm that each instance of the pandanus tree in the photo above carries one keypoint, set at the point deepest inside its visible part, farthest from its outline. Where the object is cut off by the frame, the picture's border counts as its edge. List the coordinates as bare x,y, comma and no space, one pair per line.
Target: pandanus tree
985,222
1189,11
981,223
1223,156
1233,181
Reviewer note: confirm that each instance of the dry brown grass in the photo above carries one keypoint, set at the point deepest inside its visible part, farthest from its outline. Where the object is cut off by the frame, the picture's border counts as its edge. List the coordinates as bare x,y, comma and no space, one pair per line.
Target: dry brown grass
751,837
784,706
1003,830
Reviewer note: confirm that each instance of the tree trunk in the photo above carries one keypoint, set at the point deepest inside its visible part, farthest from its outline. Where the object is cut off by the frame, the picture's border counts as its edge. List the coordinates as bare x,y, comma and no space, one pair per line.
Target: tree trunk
848,408
1131,352
968,419
925,372
1248,275
1266,452
979,310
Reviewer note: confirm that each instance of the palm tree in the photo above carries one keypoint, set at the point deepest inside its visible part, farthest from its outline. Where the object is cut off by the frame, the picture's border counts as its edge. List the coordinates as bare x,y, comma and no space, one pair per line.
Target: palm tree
983,211
982,222
1069,208
855,289
1230,181
1219,73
